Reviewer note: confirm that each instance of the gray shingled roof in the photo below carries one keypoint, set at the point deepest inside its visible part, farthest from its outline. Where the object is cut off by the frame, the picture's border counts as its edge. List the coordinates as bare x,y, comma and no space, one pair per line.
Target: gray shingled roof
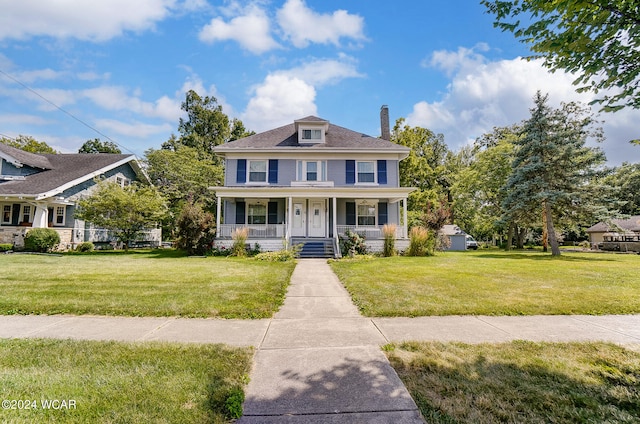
30,159
629,224
286,137
62,169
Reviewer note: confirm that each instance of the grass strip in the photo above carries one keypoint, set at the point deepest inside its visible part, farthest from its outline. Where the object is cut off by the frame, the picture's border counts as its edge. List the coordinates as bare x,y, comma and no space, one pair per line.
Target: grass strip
153,283
494,283
113,382
520,382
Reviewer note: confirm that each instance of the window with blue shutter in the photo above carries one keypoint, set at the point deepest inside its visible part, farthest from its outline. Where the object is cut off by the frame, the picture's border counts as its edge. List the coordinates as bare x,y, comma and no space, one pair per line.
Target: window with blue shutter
383,214
382,172
351,213
273,171
241,171
240,212
351,174
272,213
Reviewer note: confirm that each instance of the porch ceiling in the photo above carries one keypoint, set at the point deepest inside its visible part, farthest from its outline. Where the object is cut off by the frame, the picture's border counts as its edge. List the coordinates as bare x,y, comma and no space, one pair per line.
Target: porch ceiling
394,194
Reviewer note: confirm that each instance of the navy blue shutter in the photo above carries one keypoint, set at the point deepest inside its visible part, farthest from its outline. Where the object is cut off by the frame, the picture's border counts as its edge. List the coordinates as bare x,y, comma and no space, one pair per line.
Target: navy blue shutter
273,171
351,213
240,212
272,213
241,172
382,172
351,172
383,214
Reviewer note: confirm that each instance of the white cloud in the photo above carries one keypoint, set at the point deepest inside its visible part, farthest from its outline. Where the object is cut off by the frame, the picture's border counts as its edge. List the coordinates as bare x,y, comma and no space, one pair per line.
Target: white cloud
23,119
302,25
135,129
252,31
278,101
484,94
287,95
85,20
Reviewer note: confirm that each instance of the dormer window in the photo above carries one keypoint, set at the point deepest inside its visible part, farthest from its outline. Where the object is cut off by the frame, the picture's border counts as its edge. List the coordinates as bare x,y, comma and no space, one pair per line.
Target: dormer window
311,130
312,135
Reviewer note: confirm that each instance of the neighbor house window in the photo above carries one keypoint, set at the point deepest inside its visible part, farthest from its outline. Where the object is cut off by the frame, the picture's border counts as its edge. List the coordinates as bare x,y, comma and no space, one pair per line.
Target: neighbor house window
366,172
312,171
122,181
58,218
6,214
258,171
27,213
257,214
366,214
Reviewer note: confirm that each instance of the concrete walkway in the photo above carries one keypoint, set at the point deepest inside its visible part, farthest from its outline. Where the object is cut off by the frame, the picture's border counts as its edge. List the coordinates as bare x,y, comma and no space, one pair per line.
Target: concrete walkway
318,360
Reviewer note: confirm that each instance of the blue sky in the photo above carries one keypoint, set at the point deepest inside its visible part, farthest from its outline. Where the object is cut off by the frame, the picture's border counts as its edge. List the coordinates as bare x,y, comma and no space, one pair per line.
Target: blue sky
122,67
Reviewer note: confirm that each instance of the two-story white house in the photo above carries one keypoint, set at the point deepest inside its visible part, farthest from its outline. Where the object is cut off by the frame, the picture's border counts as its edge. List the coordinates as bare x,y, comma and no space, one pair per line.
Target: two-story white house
311,180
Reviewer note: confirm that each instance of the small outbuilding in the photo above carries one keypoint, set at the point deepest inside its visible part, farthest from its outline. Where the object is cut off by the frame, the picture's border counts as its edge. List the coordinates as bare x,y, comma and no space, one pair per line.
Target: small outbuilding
457,237
624,227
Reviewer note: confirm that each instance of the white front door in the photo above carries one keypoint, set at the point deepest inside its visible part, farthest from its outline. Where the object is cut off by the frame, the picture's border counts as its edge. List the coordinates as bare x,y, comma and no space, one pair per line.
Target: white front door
298,223
317,218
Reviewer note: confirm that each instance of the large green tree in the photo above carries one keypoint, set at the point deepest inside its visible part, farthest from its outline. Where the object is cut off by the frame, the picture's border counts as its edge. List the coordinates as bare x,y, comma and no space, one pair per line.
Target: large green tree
126,211
28,144
596,40
479,188
426,166
98,146
625,182
553,167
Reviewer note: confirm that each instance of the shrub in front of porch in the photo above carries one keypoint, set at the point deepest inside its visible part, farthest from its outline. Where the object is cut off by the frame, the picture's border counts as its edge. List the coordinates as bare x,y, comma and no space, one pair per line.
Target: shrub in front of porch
41,240
389,233
352,244
239,238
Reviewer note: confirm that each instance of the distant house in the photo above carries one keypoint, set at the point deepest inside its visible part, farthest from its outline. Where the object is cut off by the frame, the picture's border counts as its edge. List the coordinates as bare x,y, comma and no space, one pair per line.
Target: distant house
309,182
42,190
617,228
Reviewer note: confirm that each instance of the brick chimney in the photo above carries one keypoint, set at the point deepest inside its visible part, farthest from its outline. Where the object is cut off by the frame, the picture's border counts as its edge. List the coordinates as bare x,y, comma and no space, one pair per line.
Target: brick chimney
384,123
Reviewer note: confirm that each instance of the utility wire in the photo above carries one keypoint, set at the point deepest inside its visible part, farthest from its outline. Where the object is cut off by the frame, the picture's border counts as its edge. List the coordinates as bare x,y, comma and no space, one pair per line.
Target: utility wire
63,111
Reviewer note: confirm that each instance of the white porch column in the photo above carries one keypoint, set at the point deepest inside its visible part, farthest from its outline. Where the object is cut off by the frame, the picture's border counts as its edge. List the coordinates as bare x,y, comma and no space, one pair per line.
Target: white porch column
404,212
335,218
289,219
41,217
218,209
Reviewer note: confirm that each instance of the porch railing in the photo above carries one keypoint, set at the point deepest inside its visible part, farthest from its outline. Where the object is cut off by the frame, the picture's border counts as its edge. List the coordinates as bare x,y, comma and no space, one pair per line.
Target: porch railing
255,230
369,232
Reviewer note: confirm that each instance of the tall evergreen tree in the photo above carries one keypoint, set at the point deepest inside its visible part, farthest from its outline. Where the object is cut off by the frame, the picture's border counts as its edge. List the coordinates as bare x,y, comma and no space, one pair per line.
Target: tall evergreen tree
552,166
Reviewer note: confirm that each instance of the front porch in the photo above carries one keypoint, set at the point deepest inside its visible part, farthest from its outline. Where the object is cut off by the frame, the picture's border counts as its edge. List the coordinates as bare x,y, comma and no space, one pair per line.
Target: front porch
275,216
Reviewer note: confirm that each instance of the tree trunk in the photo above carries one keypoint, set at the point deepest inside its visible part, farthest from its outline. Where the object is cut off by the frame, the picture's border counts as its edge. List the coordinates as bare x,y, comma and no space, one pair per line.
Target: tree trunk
522,233
555,249
510,236
545,232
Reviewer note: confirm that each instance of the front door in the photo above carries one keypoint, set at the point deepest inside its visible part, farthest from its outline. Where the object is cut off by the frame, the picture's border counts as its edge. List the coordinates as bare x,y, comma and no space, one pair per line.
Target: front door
299,221
317,218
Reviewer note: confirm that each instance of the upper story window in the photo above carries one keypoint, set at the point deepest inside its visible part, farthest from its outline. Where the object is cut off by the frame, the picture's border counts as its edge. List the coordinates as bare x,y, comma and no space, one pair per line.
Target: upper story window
312,170
122,181
311,131
366,172
258,171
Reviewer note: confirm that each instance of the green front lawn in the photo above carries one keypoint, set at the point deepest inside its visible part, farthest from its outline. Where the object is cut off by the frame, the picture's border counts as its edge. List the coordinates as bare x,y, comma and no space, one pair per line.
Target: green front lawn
494,283
521,382
152,283
66,381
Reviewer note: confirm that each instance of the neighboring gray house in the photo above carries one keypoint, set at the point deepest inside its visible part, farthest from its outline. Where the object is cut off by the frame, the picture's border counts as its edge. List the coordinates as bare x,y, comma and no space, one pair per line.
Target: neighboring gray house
41,190
311,181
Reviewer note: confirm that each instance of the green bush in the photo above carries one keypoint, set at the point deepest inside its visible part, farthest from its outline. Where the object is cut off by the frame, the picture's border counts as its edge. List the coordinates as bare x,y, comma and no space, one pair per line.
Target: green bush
86,246
5,247
283,255
195,229
239,237
41,240
352,244
233,404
